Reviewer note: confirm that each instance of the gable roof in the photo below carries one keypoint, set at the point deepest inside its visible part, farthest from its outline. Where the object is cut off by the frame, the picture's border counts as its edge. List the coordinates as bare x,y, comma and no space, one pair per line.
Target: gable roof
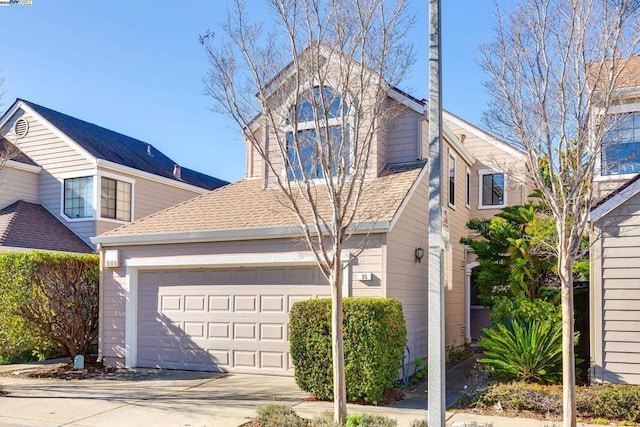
31,226
11,152
245,210
615,198
124,150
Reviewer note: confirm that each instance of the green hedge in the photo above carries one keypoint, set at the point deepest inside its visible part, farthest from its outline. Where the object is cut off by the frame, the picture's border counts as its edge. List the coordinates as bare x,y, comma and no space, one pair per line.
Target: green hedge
374,338
48,301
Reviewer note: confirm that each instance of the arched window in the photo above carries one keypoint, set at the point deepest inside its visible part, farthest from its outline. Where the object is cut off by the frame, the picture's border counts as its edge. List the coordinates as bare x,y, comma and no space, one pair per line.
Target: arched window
321,136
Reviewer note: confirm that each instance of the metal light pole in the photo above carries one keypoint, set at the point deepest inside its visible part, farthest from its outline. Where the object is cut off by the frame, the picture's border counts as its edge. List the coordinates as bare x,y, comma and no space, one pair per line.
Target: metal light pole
436,374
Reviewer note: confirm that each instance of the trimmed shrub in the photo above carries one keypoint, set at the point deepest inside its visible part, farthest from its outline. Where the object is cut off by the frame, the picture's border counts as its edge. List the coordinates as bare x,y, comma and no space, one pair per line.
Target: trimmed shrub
275,415
525,309
610,402
529,351
614,402
48,300
368,420
374,340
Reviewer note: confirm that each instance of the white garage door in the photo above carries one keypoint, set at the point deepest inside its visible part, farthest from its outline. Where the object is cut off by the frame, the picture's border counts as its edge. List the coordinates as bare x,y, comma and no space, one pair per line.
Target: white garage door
221,319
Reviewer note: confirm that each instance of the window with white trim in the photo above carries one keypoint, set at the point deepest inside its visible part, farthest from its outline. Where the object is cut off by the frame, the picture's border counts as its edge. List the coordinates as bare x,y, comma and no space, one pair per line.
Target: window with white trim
78,197
621,146
452,180
115,199
321,135
492,188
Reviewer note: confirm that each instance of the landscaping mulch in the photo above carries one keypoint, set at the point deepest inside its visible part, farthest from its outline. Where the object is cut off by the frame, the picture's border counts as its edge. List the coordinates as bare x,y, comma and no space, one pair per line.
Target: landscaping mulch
63,371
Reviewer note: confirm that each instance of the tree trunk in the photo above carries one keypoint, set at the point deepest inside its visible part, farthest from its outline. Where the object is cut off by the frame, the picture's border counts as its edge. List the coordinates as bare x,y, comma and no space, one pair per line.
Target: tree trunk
339,386
565,271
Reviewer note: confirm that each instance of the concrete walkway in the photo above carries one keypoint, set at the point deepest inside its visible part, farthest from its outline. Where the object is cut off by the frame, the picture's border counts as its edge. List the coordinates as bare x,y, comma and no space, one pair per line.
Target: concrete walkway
180,398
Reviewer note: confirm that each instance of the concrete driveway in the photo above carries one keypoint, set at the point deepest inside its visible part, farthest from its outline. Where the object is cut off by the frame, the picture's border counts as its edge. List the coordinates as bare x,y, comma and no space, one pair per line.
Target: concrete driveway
153,398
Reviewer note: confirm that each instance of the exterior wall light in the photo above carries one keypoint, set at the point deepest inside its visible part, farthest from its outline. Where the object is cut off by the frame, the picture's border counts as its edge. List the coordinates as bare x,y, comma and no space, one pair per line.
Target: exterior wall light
419,253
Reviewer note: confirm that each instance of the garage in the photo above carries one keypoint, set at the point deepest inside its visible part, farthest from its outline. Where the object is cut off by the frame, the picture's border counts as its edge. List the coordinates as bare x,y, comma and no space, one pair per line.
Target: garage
221,319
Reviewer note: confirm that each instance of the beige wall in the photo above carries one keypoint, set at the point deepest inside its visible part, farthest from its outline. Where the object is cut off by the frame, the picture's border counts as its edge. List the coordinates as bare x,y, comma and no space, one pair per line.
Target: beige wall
16,184
459,215
489,156
615,295
113,280
149,196
406,278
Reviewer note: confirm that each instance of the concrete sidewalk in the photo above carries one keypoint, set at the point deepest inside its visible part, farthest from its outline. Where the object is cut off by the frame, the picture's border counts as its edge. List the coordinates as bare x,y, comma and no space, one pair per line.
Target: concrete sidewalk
181,398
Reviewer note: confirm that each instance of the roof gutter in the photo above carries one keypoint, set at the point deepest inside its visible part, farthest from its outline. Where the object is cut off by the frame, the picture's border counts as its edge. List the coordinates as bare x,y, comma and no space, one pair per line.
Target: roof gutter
23,166
226,235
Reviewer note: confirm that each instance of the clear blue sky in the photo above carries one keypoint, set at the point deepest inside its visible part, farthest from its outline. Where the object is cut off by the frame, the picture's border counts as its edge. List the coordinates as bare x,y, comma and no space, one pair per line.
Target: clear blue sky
136,67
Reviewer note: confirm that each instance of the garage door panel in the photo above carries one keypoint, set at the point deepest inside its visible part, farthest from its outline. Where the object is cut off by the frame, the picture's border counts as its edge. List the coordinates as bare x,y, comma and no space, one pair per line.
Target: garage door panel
219,303
272,303
245,303
272,332
221,319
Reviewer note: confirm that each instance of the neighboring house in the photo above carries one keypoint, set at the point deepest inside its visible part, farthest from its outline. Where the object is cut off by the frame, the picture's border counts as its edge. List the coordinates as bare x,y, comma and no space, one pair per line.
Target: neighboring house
615,253
64,180
208,284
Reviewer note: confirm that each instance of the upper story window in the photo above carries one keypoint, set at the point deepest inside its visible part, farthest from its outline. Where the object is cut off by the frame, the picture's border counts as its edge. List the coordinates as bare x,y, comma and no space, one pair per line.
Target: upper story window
452,180
78,197
621,146
492,189
318,135
115,199
468,189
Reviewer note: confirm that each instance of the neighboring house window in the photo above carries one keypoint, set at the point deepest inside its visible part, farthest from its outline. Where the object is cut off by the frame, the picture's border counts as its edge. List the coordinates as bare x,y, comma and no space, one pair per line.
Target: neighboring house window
492,188
115,199
468,189
324,107
621,146
78,197
452,180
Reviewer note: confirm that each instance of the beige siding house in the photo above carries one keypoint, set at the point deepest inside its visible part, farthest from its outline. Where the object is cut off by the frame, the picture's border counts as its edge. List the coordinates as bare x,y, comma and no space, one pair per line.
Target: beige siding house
85,177
615,236
208,284
615,289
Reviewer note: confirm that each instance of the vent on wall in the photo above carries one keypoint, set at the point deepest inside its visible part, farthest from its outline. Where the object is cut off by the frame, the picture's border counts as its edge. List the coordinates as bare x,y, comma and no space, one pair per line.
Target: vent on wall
21,128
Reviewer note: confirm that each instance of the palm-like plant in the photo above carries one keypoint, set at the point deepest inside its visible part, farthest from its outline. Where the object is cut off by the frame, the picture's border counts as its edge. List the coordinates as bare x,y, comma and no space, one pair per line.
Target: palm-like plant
527,351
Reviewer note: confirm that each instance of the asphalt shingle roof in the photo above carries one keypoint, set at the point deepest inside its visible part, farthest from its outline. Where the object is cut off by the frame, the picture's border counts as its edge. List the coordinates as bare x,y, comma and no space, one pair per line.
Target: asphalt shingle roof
246,205
29,225
122,149
11,152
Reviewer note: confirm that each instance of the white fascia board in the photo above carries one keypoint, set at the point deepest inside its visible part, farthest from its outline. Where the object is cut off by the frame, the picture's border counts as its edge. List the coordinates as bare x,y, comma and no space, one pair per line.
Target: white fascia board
106,164
406,101
63,136
518,154
22,166
227,260
615,201
10,112
457,146
223,235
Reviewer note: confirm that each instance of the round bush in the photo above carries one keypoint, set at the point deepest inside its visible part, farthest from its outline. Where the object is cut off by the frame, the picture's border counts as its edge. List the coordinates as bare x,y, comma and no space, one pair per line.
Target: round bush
374,338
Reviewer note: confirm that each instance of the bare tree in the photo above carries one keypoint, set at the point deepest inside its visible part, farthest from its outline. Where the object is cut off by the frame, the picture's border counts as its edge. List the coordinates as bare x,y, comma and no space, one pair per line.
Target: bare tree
315,84
554,69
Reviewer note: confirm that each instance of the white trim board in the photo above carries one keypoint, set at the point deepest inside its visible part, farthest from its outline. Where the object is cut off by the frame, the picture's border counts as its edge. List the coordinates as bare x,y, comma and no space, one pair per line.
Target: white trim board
224,235
615,201
518,154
